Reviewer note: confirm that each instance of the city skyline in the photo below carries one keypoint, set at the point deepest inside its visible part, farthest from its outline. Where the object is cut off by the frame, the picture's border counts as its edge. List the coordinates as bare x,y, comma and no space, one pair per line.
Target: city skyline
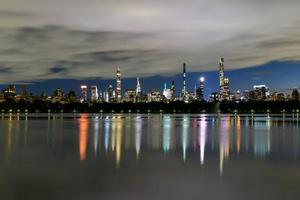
251,76
113,93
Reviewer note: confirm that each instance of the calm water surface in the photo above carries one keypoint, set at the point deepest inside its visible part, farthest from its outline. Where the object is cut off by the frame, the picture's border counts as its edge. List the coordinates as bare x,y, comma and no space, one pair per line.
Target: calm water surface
137,156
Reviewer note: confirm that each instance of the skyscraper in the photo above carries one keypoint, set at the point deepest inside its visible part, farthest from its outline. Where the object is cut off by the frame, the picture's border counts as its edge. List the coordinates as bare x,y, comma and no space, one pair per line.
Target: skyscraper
221,73
200,90
138,86
94,93
83,93
110,94
138,90
166,93
224,82
183,95
118,86
24,92
172,90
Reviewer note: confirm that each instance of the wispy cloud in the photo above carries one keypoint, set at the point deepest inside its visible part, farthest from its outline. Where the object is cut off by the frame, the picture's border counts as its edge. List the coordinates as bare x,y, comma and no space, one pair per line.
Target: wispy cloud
87,39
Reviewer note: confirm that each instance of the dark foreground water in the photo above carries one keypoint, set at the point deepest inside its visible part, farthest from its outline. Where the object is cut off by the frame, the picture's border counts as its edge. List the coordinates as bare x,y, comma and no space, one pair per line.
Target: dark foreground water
135,156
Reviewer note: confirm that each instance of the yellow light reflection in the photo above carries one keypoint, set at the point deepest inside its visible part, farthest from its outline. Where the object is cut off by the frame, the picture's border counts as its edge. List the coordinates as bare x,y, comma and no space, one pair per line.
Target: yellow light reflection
113,135
9,140
138,136
224,142
238,134
119,125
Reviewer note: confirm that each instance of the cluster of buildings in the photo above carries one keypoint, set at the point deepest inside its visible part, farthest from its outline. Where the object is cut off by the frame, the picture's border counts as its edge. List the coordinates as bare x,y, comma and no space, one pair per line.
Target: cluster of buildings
113,94
135,95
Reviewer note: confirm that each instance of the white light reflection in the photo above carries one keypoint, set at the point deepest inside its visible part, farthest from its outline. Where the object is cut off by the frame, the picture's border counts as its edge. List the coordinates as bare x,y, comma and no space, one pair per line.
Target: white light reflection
106,134
224,142
113,134
185,128
262,138
119,126
202,138
138,135
96,135
166,133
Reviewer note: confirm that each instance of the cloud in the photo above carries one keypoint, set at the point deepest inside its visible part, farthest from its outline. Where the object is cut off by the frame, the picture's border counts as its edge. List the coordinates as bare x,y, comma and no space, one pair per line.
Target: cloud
58,69
78,40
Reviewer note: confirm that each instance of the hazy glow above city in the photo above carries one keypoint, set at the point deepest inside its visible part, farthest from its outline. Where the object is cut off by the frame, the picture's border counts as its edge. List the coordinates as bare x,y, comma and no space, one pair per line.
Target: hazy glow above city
66,39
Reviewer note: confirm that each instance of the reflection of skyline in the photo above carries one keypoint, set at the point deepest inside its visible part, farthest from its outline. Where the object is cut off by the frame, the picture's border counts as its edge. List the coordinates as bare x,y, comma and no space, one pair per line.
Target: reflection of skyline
262,138
166,133
83,136
118,142
138,135
117,135
185,132
202,138
96,135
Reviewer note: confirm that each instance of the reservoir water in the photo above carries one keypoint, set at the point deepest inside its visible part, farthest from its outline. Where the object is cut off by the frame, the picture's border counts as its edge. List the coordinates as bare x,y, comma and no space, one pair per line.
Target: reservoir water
149,156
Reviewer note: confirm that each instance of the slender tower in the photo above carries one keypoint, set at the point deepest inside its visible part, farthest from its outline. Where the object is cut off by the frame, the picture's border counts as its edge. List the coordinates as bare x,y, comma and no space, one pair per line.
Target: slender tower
224,82
138,86
200,90
221,75
172,90
138,90
118,86
184,81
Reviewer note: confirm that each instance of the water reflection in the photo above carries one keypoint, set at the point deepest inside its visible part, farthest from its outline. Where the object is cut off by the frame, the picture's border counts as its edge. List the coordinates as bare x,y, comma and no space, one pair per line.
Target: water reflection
96,135
106,134
119,124
262,138
83,136
138,135
202,138
184,138
166,133
221,137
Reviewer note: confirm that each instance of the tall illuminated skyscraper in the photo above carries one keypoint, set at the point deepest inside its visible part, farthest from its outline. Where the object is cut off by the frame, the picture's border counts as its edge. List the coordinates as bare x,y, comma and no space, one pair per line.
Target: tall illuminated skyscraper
224,82
94,93
221,73
110,94
83,93
118,86
184,82
138,86
138,90
200,90
172,90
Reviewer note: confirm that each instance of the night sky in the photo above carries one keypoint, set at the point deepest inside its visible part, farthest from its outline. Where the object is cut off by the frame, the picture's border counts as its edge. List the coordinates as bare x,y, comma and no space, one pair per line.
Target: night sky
64,43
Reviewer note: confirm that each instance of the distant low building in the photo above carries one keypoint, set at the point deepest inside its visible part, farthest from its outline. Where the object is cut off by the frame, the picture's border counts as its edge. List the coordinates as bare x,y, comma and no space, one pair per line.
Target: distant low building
10,92
260,93
154,96
71,97
130,96
58,96
295,95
